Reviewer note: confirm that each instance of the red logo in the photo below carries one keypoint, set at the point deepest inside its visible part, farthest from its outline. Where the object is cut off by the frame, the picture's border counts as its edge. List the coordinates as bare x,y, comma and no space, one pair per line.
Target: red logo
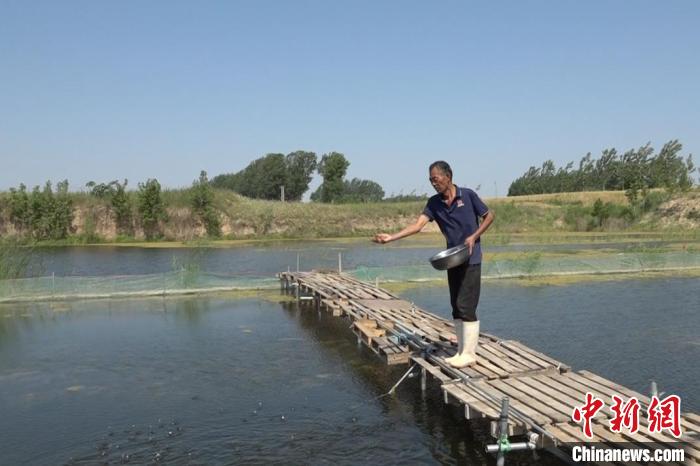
662,414
626,414
586,413
665,414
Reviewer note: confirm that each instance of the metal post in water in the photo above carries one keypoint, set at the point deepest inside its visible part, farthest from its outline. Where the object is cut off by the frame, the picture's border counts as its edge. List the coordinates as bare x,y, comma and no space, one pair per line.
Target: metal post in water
654,389
503,433
340,262
297,262
423,379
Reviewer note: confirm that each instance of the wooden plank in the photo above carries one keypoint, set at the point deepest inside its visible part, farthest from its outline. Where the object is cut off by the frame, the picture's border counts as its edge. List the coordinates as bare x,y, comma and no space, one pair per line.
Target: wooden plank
533,354
537,384
485,349
486,409
521,399
555,409
475,371
435,371
519,364
495,397
614,386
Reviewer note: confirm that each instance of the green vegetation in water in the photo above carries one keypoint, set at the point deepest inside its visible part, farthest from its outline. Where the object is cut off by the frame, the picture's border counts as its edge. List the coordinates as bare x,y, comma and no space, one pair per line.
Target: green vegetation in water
189,267
15,259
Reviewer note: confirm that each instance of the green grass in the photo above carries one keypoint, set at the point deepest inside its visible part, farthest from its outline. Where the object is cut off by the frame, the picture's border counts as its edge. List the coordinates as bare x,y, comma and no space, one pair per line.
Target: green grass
540,219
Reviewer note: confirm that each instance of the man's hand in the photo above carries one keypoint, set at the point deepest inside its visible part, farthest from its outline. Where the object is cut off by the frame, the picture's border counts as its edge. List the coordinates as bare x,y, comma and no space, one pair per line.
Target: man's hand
382,238
470,243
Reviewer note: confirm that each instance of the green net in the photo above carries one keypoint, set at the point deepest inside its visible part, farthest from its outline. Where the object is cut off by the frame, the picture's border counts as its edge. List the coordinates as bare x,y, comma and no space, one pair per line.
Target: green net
196,281
539,265
171,283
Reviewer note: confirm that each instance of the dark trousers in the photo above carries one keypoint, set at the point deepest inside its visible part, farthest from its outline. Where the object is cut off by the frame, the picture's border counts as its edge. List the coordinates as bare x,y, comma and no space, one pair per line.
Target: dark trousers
465,287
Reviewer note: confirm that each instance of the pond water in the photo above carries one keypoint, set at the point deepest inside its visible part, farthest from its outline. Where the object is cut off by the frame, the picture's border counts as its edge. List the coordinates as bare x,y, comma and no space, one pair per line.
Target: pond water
220,380
269,258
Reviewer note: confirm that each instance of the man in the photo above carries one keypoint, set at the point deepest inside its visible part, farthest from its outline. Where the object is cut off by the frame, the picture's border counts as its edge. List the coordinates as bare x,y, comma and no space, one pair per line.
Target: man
457,212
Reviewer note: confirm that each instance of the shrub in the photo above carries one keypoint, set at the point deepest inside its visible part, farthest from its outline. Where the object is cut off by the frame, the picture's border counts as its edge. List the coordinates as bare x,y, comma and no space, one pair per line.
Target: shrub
151,208
202,199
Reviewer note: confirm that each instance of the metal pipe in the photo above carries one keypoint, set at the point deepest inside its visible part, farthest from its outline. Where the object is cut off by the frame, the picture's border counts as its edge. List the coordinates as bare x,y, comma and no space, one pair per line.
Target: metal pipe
392,390
515,446
503,444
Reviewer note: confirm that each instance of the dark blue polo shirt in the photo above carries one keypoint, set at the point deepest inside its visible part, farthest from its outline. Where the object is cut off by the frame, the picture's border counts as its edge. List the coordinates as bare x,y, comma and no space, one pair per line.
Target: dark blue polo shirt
459,220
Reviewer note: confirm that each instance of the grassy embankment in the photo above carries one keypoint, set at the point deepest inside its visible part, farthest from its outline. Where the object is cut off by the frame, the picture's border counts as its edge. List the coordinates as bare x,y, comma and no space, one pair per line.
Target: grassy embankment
538,219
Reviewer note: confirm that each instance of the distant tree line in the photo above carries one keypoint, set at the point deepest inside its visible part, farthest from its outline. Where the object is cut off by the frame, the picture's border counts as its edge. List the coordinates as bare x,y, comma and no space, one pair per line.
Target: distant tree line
636,171
264,178
45,214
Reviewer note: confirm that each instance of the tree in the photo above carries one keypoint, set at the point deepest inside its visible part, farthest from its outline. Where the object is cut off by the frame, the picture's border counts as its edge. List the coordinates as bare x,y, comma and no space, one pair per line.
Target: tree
45,215
150,205
230,181
332,168
121,207
299,166
261,179
202,200
606,170
601,212
264,177
102,190
20,211
62,215
358,190
636,171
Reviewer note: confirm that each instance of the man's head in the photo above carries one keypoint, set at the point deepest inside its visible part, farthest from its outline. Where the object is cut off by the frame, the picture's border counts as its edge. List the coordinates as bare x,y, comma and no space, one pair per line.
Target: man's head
441,176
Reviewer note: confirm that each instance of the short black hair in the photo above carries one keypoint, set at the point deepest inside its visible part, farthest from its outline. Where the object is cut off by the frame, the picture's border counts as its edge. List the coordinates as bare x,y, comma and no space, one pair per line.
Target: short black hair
442,166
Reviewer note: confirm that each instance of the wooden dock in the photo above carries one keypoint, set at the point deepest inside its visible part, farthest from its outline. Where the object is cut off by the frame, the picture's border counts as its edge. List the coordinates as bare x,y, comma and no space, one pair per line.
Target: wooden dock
542,392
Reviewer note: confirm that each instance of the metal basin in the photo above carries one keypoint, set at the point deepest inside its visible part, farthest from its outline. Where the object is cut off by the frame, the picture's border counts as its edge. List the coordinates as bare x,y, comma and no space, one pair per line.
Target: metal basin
449,258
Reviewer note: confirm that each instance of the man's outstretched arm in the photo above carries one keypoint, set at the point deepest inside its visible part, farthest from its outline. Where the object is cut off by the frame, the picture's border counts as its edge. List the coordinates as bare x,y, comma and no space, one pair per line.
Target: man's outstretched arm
408,231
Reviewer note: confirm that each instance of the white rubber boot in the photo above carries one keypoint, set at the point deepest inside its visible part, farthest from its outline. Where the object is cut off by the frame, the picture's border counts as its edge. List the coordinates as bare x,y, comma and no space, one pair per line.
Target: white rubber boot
460,341
466,355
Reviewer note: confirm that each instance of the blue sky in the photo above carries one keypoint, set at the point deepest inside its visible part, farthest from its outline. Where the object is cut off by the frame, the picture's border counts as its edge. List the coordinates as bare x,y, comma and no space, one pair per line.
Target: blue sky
111,90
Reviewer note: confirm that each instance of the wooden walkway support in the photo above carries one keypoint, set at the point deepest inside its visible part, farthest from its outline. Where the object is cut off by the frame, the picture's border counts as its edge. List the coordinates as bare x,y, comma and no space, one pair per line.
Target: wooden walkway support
542,392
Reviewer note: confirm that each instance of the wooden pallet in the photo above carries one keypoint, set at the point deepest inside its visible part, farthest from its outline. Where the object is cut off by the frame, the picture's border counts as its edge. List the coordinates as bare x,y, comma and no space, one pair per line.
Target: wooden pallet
376,339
